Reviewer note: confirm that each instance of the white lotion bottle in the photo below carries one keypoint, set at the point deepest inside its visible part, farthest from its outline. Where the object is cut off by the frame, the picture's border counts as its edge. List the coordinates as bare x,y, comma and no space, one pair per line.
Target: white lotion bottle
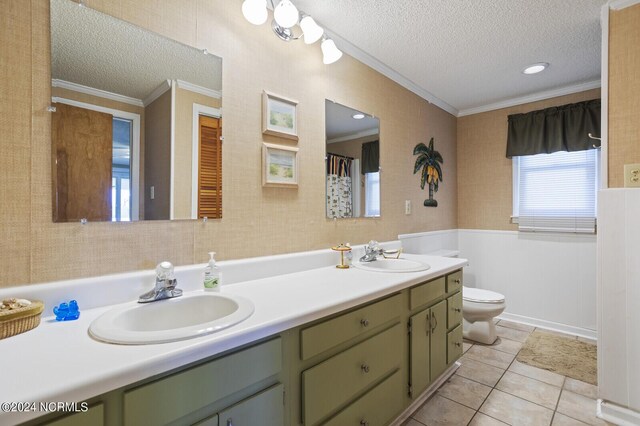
212,274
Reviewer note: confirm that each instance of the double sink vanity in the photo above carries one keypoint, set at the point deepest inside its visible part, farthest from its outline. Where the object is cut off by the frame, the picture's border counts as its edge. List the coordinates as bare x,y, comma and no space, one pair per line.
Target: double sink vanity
299,342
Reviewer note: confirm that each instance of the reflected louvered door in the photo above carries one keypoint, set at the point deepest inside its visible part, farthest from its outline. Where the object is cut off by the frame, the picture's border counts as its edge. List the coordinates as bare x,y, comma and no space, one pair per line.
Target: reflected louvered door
210,168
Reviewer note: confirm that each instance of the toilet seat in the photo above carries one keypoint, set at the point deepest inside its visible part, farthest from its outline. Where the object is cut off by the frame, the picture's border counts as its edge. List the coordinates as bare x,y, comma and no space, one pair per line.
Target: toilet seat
479,295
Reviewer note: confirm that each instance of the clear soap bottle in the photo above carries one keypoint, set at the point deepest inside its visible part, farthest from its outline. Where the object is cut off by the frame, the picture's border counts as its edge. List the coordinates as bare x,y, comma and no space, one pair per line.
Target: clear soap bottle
212,274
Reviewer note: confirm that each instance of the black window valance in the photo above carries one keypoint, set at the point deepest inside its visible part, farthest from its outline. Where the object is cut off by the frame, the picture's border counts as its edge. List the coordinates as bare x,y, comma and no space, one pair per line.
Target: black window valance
562,128
370,157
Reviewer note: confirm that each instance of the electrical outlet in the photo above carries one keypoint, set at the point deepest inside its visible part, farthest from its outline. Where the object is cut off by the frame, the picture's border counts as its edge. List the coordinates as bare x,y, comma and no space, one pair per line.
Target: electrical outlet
407,207
632,175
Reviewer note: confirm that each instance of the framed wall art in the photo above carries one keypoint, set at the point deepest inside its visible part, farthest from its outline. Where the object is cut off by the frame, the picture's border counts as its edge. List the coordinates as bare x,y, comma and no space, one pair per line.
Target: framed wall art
279,165
279,116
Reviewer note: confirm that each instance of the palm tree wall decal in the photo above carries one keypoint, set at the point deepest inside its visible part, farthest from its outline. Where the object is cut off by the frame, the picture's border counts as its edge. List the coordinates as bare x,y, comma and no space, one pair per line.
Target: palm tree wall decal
428,161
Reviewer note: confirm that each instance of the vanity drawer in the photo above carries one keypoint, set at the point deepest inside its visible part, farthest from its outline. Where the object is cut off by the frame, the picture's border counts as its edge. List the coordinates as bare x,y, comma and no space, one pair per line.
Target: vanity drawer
454,281
376,408
93,416
320,337
175,396
264,409
333,382
427,292
454,310
454,344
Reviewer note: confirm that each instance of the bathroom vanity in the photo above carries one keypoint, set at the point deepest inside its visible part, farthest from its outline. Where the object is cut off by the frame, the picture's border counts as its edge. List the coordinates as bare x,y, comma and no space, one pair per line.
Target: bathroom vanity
324,346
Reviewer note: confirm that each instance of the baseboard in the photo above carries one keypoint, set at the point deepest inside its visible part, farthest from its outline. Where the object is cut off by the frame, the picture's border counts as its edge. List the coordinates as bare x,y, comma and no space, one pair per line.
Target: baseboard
553,326
616,414
425,395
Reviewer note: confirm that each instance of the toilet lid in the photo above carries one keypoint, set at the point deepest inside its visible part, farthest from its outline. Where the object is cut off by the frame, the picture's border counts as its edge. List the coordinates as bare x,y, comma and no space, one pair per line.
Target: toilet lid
480,295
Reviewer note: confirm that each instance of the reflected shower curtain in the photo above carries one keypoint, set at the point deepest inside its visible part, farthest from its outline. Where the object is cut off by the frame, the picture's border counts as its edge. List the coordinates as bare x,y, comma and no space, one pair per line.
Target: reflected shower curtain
339,197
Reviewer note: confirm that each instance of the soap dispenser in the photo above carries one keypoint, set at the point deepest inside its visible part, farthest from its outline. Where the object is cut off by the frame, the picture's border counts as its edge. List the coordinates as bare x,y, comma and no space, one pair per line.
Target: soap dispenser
212,274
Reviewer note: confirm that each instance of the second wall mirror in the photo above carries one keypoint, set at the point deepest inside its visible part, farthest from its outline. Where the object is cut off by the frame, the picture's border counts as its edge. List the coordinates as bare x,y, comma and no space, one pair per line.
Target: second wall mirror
352,163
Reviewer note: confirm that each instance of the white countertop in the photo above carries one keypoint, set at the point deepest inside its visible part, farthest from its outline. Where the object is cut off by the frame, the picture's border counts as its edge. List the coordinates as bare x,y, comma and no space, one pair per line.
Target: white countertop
59,361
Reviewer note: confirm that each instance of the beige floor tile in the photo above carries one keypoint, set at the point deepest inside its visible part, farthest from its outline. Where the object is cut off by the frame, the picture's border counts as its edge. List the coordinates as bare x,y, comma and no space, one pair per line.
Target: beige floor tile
442,411
562,420
515,411
480,372
579,407
532,390
464,391
512,334
506,345
483,420
490,356
549,377
516,326
466,346
582,388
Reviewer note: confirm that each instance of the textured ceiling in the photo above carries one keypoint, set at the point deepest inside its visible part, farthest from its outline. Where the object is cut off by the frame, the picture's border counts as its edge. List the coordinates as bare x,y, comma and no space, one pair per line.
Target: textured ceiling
471,53
96,50
340,122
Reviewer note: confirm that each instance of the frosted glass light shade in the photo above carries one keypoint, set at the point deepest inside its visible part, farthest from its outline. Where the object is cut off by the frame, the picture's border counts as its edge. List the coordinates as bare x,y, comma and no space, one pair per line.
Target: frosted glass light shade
330,53
312,31
286,14
255,11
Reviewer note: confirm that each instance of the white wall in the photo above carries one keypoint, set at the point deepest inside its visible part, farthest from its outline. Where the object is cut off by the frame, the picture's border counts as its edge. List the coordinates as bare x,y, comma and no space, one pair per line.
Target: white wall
548,280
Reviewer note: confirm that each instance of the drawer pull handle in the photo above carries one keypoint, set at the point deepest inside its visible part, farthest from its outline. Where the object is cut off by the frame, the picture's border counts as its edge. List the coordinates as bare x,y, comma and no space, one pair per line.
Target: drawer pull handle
364,423
364,368
457,281
433,317
428,324
364,322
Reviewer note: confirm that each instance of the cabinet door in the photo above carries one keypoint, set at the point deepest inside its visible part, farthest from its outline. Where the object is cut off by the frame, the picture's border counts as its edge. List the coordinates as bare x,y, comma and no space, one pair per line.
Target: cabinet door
264,409
438,339
93,416
420,351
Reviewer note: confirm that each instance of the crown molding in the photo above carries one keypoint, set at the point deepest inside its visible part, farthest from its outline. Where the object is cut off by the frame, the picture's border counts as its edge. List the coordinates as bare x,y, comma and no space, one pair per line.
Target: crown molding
356,135
96,92
547,94
157,92
199,89
622,4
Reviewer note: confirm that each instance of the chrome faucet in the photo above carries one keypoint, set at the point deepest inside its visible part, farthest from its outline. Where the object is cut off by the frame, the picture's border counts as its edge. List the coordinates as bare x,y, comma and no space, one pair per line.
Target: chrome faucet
165,285
371,252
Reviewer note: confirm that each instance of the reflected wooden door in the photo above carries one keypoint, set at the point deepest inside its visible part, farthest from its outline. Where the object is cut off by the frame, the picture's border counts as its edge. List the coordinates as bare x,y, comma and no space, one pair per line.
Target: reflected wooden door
82,149
210,168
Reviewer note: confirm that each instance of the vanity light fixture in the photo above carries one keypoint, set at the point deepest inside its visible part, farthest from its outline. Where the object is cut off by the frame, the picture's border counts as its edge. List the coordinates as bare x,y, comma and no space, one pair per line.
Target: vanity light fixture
358,116
285,17
535,68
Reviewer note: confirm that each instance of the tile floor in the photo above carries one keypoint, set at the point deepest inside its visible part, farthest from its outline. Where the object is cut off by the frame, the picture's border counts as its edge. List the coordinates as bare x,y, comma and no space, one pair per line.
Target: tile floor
492,388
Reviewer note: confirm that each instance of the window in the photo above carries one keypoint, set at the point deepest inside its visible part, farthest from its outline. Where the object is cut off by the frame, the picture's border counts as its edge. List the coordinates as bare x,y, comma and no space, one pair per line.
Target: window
556,192
372,194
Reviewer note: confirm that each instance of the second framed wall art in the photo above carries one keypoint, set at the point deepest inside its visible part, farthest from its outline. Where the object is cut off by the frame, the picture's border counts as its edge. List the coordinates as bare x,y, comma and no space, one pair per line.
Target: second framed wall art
279,165
279,116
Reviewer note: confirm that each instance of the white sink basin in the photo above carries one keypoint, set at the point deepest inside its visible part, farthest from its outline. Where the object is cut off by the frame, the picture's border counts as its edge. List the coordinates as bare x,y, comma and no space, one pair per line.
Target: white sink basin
169,320
392,265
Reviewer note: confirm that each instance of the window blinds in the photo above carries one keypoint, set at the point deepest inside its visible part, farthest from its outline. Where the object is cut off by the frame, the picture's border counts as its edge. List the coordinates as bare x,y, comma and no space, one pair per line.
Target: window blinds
557,192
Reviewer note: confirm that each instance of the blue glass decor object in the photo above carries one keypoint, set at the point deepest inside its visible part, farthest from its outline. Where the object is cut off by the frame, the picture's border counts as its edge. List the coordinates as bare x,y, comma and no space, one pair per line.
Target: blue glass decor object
67,311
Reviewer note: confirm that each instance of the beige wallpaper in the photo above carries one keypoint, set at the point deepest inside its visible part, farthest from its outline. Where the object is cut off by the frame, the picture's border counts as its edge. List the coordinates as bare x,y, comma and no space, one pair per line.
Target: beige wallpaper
257,221
484,171
624,92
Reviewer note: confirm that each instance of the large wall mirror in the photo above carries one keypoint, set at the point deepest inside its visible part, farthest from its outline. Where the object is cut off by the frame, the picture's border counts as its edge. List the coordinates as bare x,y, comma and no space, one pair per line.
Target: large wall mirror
136,124
352,162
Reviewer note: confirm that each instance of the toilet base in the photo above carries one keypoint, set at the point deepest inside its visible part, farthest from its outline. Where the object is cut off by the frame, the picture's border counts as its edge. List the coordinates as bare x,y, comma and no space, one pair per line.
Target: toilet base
480,331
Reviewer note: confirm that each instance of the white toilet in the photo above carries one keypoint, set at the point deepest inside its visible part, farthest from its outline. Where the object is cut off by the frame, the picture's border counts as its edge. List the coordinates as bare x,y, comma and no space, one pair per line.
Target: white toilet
479,308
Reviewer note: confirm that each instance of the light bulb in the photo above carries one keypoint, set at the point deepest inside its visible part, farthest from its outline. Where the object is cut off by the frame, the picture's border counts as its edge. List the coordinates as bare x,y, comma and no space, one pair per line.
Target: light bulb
286,14
255,11
330,53
312,31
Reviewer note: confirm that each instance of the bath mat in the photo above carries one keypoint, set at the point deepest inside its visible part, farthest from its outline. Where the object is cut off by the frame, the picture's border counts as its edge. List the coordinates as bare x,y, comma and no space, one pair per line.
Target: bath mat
563,355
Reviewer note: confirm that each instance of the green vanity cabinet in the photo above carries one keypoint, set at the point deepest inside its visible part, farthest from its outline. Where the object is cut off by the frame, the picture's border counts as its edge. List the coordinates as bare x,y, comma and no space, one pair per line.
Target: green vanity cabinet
428,346
264,409
94,416
454,310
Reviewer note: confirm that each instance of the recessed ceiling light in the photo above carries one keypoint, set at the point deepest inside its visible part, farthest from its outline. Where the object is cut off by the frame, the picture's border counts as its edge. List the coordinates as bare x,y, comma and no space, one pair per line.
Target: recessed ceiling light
358,116
535,68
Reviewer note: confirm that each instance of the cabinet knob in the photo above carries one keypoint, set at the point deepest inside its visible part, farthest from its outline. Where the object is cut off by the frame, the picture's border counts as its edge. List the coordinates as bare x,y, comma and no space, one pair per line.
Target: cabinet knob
457,281
364,368
457,310
458,344
364,423
364,322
